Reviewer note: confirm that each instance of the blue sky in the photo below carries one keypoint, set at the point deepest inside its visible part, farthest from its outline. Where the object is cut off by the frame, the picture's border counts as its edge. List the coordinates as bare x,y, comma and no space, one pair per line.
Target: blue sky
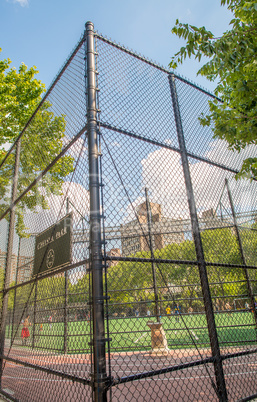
43,32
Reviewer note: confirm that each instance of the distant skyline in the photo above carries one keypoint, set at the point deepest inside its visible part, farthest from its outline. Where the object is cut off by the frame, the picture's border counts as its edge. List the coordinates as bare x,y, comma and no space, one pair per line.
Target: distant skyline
43,33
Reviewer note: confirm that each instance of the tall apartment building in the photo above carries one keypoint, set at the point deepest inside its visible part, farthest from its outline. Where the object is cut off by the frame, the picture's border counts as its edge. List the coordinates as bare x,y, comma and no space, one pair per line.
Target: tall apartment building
135,234
25,265
164,231
25,269
13,264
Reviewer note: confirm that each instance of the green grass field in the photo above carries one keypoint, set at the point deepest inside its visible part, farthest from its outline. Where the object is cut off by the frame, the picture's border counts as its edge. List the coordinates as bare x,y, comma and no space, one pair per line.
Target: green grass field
130,334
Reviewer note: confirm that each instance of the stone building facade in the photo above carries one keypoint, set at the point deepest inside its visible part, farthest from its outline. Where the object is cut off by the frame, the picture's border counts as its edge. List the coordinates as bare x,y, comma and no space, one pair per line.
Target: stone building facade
164,231
24,264
135,234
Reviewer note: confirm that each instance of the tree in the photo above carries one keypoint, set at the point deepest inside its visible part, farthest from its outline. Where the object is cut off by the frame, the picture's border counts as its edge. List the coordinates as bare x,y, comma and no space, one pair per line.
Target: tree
79,292
233,62
42,141
50,292
131,281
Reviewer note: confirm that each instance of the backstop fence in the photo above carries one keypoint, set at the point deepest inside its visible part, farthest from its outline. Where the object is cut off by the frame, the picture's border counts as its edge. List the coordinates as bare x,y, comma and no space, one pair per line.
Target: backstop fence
127,247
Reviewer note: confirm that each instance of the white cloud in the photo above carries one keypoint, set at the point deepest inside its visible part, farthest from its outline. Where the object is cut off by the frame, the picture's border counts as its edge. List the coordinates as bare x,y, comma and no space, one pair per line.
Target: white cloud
115,144
23,3
130,214
220,153
76,275
78,149
162,174
78,204
168,141
6,146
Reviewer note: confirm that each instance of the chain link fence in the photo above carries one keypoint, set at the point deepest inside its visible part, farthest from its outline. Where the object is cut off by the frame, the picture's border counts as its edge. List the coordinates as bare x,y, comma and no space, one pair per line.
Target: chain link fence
127,246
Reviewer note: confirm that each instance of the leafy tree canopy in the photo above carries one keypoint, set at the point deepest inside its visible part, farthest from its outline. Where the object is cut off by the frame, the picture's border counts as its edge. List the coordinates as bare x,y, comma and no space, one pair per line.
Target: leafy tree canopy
42,141
232,60
130,282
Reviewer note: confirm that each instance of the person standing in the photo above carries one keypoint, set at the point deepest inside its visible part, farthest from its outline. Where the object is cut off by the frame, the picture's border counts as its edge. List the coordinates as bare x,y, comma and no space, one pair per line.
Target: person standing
177,312
190,310
25,330
50,319
228,307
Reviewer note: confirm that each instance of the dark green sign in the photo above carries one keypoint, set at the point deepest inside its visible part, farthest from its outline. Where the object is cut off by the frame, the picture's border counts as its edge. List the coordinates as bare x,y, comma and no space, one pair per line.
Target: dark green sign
53,246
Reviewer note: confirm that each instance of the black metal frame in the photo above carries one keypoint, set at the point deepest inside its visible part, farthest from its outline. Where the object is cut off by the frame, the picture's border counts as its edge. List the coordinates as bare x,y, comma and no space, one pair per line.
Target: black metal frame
101,381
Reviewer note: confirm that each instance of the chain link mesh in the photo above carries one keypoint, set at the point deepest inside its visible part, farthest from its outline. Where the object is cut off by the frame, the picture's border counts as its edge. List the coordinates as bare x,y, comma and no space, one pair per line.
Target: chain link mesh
47,322
178,246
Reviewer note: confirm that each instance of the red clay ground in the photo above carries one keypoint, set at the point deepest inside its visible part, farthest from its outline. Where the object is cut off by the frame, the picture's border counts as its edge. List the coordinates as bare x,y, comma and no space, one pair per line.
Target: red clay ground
192,384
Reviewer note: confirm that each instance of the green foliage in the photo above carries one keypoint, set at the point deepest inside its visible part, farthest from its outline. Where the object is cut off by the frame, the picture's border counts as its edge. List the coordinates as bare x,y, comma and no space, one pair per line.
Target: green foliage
20,94
233,62
131,282
50,292
79,292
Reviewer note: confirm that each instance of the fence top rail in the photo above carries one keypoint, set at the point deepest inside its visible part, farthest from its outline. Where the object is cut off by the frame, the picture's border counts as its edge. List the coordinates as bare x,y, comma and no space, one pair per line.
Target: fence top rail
118,46
154,64
50,89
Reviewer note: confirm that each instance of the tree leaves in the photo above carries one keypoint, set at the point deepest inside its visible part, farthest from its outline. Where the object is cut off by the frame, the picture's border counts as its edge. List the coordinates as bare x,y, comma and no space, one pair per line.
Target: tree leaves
42,141
233,62
130,281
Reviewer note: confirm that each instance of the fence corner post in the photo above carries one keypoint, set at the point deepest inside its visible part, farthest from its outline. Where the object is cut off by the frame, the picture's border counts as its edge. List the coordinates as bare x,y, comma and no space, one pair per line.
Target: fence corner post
95,248
214,342
9,255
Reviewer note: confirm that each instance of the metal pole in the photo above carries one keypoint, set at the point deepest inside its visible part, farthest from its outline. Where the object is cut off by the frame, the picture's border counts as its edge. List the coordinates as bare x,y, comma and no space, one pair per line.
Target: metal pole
149,221
219,374
96,258
249,287
34,315
66,286
9,324
15,291
8,265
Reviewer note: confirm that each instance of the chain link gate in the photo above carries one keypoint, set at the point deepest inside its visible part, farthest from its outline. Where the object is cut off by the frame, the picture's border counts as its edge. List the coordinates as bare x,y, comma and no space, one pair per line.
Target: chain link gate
128,249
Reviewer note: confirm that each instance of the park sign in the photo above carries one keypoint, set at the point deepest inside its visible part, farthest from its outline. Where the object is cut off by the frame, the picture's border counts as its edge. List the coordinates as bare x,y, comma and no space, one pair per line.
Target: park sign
53,246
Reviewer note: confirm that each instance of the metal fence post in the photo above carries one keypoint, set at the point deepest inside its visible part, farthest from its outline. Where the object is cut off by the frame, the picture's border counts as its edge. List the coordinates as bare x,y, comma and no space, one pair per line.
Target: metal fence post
99,356
249,288
8,265
149,222
66,296
218,368
15,291
34,315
